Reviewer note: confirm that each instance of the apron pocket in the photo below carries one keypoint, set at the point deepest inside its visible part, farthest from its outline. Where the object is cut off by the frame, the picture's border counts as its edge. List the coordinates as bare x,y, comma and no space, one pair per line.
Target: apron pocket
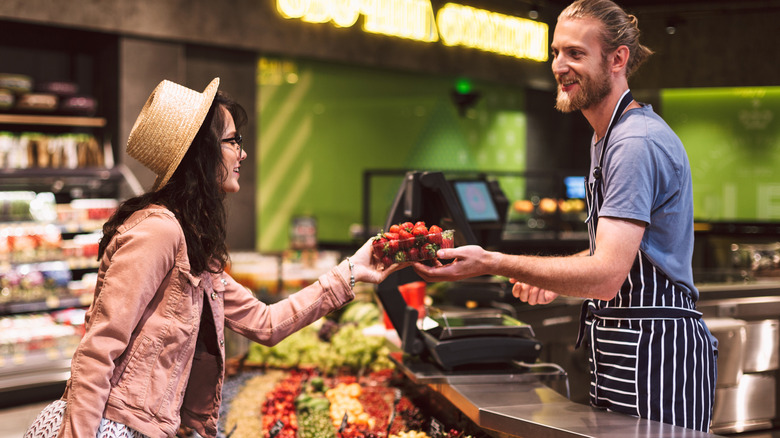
613,367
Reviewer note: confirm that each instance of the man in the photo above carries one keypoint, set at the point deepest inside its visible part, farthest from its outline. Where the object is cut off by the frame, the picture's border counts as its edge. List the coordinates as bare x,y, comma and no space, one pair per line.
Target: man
651,355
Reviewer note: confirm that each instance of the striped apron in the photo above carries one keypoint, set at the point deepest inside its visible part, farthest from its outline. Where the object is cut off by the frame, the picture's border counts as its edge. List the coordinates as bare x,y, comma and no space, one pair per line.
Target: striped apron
650,354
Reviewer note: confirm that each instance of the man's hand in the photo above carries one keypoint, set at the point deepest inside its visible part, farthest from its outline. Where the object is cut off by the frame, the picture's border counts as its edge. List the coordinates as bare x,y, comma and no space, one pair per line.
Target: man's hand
531,294
469,261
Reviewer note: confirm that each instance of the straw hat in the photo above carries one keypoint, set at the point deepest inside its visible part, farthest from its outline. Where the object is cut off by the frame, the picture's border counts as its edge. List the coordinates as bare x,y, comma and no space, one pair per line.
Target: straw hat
168,122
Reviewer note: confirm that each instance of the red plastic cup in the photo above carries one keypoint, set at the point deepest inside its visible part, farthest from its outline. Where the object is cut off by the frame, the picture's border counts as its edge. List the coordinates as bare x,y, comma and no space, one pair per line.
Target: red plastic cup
414,295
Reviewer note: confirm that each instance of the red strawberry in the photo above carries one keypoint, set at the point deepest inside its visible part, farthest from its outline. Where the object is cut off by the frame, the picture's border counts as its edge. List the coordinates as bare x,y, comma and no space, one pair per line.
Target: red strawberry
429,251
391,236
387,261
392,246
400,257
406,239
394,228
408,226
419,224
414,254
435,229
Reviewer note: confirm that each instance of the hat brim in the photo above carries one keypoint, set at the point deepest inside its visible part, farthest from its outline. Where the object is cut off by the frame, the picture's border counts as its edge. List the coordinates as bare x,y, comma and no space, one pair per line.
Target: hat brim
197,122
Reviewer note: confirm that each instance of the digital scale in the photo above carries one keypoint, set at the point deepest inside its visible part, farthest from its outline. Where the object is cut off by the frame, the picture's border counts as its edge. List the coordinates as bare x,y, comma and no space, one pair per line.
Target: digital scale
456,340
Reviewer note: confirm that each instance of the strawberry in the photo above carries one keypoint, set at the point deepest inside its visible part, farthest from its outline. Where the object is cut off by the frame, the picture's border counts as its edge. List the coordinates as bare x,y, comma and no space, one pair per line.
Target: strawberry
435,229
419,224
406,239
395,228
419,233
391,236
387,261
434,238
429,251
392,246
408,226
400,257
414,254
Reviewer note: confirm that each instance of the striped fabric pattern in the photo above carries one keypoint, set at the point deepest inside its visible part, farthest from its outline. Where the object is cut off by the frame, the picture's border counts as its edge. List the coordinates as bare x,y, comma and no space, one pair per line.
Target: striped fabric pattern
49,421
663,368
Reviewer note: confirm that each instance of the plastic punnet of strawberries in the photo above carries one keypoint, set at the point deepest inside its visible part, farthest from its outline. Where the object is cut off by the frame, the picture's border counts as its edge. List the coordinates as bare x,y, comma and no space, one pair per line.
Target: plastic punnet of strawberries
411,242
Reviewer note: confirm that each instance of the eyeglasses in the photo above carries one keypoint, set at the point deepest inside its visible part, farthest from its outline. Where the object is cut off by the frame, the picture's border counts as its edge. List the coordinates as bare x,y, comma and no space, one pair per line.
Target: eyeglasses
235,144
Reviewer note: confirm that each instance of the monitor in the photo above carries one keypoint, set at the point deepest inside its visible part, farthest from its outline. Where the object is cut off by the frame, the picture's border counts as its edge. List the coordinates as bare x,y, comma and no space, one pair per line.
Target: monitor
575,187
476,200
429,197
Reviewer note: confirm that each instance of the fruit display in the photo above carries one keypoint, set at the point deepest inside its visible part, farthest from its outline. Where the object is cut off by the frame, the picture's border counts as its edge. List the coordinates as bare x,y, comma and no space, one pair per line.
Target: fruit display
331,345
548,206
410,242
303,403
334,379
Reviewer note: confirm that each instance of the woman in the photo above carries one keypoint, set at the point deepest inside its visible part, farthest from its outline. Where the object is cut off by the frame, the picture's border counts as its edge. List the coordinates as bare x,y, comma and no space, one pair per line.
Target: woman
153,354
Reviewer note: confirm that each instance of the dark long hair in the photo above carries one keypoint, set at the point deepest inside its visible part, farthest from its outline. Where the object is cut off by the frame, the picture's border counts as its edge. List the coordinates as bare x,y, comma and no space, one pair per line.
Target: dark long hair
194,193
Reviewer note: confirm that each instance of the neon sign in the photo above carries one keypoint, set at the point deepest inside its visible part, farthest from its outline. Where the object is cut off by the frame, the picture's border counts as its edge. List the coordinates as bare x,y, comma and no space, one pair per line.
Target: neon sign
454,24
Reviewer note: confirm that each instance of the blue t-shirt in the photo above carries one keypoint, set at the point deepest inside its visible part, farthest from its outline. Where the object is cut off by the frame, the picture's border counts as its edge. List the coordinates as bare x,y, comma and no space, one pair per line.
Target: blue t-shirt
647,178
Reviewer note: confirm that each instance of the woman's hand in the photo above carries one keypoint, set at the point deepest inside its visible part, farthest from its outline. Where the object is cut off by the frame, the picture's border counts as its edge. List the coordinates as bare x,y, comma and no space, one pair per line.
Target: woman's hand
368,269
531,294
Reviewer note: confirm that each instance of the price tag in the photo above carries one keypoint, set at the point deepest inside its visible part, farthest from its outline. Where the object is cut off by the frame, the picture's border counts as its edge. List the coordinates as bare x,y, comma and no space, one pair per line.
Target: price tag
437,429
343,423
275,429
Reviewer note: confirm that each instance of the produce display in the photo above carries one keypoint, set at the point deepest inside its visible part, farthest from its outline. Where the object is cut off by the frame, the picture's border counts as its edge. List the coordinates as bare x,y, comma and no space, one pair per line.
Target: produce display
302,403
410,242
332,344
332,380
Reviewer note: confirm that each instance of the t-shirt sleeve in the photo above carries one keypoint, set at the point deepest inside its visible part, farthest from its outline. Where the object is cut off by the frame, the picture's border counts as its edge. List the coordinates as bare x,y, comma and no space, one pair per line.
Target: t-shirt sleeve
629,180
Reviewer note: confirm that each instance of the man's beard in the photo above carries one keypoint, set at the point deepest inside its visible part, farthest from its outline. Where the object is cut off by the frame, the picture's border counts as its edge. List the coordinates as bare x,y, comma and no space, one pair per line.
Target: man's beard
593,89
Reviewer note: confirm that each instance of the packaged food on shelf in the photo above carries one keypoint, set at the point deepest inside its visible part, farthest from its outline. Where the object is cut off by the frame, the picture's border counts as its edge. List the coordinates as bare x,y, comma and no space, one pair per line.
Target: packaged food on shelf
7,99
15,206
37,102
30,150
93,209
60,88
80,105
18,83
36,338
34,282
30,242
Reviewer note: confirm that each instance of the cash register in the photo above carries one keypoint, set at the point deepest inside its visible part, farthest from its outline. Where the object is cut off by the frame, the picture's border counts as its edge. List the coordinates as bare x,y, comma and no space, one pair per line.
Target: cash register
475,208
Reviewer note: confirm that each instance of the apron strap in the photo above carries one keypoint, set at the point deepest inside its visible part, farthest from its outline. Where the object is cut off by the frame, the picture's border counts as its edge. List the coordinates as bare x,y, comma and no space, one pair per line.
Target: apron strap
625,100
588,311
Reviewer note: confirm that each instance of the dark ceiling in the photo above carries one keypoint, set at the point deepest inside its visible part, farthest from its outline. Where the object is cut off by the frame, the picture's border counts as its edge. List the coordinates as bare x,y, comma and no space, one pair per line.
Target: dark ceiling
683,5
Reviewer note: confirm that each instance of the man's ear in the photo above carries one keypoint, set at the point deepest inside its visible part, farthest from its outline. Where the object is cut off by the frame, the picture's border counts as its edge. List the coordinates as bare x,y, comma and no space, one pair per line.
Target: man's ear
620,58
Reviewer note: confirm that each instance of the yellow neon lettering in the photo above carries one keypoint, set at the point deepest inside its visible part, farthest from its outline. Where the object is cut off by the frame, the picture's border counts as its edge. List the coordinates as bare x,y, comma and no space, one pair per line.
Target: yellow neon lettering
456,25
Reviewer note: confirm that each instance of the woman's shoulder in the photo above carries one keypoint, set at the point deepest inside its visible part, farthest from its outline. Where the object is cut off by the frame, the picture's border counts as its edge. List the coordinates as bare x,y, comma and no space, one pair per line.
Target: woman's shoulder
153,217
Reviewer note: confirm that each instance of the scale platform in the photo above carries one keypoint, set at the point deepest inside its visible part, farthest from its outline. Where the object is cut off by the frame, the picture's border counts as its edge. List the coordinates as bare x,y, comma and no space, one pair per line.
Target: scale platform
463,340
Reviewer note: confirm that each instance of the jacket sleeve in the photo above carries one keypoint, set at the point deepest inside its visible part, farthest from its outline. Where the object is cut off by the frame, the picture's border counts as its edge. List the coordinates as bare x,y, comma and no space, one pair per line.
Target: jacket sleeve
134,267
269,324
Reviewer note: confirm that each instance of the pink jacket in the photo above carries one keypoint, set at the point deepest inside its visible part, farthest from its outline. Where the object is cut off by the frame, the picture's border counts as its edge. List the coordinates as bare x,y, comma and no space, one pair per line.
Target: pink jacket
153,355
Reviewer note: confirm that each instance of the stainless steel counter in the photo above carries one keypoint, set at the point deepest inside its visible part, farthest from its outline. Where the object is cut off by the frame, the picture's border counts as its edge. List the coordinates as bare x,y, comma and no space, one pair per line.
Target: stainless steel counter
523,404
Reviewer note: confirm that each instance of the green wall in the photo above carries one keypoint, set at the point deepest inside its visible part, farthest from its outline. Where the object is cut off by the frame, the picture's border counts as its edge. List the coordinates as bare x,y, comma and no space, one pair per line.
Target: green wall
322,125
732,136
